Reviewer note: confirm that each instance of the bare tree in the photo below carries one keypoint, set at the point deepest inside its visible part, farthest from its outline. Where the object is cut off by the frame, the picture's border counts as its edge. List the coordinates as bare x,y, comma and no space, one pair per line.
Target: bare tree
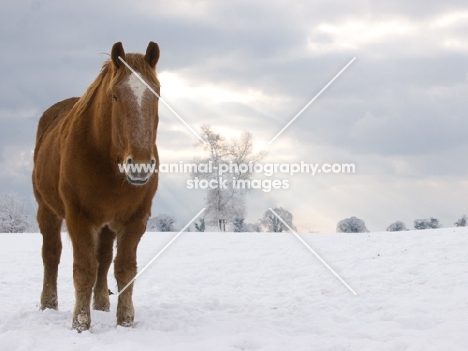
162,223
273,224
239,225
14,217
462,222
397,226
351,225
200,226
225,201
426,223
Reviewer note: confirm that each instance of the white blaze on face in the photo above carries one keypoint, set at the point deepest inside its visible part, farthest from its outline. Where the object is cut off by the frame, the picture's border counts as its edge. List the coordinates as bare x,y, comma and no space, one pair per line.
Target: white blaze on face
137,87
139,126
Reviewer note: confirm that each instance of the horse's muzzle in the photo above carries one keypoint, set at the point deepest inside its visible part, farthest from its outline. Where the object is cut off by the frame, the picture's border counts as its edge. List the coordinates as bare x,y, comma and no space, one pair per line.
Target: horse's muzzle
138,180
139,174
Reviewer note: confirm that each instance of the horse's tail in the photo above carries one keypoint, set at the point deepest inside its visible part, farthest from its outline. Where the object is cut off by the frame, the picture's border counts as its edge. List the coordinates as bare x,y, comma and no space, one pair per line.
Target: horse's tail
52,116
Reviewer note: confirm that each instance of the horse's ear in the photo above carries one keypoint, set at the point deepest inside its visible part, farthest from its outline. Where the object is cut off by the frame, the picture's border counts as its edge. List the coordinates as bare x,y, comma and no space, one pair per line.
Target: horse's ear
117,50
152,54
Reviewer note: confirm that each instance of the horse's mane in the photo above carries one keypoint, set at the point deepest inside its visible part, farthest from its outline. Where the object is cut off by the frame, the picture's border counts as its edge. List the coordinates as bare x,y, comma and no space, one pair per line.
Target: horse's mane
112,76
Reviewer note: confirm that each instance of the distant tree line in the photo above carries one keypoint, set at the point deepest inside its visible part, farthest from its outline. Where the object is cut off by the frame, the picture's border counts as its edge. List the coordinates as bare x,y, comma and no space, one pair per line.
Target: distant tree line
356,225
14,218
225,207
268,223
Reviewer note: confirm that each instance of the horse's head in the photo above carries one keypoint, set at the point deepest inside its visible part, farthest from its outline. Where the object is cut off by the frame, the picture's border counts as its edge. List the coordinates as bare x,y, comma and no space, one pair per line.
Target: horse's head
135,111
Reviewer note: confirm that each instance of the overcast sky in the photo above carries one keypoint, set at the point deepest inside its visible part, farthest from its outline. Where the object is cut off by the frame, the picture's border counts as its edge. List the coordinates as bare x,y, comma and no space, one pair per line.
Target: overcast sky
399,112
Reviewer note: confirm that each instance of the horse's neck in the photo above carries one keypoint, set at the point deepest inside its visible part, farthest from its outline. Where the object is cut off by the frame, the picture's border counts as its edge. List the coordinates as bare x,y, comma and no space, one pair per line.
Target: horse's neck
96,119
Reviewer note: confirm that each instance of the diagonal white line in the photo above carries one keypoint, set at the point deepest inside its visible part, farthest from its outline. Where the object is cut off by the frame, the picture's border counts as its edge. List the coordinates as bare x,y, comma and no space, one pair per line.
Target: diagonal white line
312,250
160,252
311,101
162,100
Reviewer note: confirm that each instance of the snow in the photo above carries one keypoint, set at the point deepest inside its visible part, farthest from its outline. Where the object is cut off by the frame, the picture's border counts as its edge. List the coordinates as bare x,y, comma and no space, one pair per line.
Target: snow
256,291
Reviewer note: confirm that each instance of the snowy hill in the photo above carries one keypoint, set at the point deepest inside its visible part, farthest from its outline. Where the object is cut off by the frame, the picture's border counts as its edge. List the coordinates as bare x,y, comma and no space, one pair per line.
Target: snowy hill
257,291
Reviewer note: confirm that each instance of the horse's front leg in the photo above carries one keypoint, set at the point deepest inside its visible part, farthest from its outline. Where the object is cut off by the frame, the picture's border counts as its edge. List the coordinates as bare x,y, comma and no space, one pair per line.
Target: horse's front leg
83,238
104,258
125,269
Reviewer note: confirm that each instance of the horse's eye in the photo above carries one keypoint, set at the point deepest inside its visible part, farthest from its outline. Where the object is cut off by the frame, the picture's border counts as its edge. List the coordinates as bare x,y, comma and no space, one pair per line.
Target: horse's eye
114,97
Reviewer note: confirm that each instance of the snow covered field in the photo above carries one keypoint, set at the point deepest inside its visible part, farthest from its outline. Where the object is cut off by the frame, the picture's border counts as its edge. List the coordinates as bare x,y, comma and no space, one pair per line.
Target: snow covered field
257,291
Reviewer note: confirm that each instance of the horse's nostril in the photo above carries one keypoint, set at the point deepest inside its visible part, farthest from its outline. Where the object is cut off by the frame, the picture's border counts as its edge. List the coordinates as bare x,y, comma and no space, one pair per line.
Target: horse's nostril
153,161
129,160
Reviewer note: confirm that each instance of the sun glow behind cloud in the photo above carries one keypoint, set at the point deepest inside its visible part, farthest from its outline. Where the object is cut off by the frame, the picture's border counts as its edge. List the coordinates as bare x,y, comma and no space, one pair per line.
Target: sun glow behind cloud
208,93
203,102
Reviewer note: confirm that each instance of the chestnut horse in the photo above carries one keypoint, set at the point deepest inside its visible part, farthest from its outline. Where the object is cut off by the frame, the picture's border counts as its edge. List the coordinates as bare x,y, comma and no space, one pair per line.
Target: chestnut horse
81,142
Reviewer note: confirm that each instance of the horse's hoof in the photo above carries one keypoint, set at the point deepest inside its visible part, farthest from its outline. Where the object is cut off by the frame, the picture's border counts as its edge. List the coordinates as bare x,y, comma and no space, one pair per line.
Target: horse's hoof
125,316
126,323
101,303
104,306
51,302
81,322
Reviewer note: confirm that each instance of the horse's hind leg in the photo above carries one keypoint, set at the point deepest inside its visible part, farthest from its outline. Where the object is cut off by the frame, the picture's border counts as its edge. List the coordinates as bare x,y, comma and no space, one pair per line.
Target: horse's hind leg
104,257
49,225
